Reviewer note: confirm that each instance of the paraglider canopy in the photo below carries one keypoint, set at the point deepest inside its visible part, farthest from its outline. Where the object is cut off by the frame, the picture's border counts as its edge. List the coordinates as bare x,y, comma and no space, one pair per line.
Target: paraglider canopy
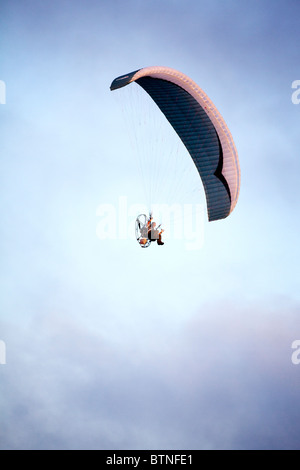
201,128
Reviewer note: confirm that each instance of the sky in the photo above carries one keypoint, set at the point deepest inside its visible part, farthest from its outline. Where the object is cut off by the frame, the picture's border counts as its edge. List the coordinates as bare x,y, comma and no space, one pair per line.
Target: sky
107,345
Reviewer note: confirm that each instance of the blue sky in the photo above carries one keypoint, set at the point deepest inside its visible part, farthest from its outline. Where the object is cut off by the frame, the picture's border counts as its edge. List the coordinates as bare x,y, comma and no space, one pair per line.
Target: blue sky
109,346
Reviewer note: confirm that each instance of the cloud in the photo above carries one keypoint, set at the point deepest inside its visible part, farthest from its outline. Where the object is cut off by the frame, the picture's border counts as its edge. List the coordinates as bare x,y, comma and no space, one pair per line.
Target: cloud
224,380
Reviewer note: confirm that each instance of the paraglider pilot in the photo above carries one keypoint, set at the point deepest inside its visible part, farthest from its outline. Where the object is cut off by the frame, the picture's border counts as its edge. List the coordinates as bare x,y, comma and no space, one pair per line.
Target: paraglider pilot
153,233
